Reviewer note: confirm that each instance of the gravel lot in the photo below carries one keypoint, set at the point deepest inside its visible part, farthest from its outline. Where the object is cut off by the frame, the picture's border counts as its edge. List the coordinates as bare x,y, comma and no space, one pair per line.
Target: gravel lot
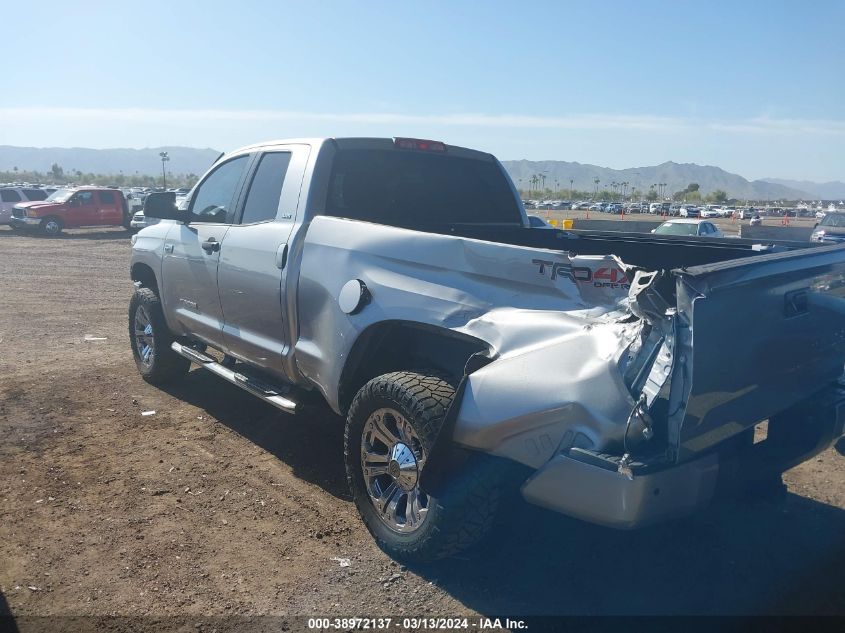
218,504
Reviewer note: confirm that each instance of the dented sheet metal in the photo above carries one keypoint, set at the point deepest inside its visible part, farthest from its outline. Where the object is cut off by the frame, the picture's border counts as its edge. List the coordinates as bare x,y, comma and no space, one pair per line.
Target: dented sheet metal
560,313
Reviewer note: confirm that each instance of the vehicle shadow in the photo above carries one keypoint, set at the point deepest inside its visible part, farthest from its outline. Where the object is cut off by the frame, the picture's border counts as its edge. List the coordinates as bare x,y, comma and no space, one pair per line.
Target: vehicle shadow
764,557
311,443
783,556
7,620
71,234
840,446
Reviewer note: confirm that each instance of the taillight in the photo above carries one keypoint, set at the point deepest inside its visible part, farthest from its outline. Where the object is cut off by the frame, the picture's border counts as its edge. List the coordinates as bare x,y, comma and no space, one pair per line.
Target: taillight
419,144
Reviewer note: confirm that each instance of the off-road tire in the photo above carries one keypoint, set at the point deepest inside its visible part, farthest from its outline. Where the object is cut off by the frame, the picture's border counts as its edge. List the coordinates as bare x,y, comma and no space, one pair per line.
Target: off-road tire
51,227
166,365
457,519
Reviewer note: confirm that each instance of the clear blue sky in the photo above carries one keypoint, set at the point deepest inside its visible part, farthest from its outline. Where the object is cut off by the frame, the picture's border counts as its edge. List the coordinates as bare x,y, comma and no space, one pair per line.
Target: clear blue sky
755,87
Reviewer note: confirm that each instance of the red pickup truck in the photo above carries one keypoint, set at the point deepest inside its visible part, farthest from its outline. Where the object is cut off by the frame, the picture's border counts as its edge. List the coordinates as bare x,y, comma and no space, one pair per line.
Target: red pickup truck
69,208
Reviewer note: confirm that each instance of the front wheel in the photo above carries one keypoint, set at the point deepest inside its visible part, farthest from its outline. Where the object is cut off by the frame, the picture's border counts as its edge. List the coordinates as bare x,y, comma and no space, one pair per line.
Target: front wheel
157,363
390,429
51,227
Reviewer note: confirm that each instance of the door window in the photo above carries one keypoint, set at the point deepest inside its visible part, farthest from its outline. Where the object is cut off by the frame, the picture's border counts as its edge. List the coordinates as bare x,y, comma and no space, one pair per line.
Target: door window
262,201
106,197
85,198
215,197
9,195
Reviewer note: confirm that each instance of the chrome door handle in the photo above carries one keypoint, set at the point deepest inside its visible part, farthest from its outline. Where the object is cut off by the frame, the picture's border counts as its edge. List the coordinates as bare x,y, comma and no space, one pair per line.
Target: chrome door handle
211,245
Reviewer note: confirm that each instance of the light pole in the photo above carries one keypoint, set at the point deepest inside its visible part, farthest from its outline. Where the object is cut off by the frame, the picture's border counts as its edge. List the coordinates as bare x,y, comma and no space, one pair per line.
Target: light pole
164,158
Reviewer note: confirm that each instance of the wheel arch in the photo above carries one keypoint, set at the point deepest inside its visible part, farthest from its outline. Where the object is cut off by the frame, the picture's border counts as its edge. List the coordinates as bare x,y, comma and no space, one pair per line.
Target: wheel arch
142,273
390,346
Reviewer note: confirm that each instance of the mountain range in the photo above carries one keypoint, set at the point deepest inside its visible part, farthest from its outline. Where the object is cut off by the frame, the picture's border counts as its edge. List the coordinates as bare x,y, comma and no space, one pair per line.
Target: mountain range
824,191
676,176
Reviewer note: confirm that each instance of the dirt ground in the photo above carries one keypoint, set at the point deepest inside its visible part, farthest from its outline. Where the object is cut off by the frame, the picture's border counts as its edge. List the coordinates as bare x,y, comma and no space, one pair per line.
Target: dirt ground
218,504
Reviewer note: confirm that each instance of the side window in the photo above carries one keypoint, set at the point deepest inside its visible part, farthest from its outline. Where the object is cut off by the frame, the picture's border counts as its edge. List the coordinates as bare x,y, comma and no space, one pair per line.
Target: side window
263,198
106,197
35,194
9,195
215,196
85,198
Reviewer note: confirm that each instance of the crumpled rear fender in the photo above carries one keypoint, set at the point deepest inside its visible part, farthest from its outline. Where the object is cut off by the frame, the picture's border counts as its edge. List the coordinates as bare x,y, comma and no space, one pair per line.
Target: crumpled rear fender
527,406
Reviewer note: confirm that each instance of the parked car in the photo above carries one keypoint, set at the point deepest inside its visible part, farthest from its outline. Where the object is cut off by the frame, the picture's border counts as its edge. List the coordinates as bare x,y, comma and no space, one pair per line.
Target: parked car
10,196
688,211
469,354
711,212
699,228
831,229
66,208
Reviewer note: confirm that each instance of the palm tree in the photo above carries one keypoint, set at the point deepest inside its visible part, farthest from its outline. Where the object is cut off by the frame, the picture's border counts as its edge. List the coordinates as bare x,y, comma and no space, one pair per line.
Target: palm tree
597,181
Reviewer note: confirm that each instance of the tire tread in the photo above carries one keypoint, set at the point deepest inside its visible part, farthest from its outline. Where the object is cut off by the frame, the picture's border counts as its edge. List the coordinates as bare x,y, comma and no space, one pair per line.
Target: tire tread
466,512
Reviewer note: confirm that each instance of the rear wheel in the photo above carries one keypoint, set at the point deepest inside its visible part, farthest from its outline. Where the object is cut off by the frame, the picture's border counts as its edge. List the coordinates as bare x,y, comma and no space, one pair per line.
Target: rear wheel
51,227
150,338
391,427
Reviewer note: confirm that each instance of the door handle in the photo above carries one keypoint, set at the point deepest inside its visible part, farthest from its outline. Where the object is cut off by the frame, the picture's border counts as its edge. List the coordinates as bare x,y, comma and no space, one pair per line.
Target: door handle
211,245
281,256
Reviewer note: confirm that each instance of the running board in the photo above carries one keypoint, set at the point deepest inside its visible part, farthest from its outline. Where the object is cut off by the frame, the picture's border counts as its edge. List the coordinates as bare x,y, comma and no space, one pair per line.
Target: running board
277,396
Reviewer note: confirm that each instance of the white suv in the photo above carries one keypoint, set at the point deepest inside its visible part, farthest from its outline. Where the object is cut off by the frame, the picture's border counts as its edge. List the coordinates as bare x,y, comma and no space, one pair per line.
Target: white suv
10,196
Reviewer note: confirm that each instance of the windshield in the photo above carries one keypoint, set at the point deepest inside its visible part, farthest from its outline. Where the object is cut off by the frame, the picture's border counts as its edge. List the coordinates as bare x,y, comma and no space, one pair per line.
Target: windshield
677,228
60,195
833,219
415,189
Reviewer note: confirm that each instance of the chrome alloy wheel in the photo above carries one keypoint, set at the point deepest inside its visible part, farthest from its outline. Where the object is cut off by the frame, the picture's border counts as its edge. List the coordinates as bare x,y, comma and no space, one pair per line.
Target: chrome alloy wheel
51,227
144,342
392,457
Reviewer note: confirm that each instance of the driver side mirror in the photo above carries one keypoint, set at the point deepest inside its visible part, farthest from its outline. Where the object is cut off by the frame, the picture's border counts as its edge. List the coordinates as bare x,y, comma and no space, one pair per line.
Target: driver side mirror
163,205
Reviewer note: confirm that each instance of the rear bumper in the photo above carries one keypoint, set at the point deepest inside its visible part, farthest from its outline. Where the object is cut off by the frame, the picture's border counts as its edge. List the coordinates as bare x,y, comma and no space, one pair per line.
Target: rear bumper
609,498
593,490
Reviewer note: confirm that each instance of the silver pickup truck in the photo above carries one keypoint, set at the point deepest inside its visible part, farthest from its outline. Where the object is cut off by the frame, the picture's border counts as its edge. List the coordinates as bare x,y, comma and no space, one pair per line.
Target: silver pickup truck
399,281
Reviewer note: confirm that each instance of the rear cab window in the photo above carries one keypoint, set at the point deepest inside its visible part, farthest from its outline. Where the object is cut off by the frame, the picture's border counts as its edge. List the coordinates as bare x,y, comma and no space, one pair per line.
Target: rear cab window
265,190
419,189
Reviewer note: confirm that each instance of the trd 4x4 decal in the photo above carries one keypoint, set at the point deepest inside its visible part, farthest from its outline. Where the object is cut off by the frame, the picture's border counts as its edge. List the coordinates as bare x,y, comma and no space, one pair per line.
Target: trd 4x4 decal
556,269
604,277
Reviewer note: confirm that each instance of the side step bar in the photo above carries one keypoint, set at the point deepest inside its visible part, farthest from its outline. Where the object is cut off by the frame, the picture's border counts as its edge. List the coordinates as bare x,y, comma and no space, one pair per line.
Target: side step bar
277,396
